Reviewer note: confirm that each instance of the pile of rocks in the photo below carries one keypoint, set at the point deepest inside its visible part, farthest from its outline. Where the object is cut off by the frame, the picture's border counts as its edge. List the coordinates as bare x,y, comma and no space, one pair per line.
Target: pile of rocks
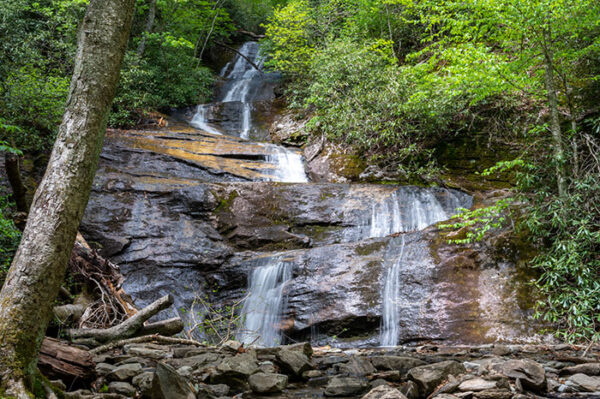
150,370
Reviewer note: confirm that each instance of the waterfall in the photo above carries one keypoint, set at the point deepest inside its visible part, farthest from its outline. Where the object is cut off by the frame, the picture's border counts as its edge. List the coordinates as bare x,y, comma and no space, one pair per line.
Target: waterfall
410,211
390,315
262,310
289,166
243,76
200,119
242,81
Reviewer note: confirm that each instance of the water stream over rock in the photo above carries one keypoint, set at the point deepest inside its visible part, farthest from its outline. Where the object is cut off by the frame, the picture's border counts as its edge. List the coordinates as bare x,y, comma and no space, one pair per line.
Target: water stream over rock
198,205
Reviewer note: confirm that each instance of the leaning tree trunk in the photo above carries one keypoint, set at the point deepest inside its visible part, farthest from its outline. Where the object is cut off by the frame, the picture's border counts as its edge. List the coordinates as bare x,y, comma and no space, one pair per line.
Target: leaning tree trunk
39,265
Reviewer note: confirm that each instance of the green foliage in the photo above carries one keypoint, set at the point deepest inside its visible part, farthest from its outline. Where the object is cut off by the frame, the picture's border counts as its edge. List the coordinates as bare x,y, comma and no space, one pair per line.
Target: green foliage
33,104
171,80
567,232
289,40
478,222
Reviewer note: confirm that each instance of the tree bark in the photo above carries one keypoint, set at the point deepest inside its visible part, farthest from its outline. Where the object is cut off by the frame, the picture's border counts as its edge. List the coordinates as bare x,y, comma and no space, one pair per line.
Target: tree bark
149,25
559,153
38,268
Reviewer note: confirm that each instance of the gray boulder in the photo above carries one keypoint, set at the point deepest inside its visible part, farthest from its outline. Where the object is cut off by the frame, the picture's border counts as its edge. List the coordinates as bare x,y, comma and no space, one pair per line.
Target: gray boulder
125,372
345,386
428,377
241,365
167,384
357,367
476,384
410,390
294,362
528,373
143,382
586,368
122,388
585,383
400,363
267,382
384,392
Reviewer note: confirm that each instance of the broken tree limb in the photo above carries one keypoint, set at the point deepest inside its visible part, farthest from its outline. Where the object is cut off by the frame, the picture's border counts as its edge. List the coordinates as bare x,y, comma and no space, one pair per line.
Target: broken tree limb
125,329
145,338
241,55
164,327
59,360
251,34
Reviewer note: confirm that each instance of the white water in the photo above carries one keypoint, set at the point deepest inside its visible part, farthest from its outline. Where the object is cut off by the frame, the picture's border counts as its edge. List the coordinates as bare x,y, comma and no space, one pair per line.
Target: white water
289,165
390,329
243,75
200,119
412,211
263,307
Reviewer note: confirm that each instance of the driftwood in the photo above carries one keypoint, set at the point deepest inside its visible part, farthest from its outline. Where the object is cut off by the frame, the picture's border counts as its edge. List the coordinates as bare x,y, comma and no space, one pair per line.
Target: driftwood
146,338
164,327
59,360
251,34
127,328
103,279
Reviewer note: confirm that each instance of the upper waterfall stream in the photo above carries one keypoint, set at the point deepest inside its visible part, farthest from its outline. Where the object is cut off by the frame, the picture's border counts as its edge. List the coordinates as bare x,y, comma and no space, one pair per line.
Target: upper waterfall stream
196,210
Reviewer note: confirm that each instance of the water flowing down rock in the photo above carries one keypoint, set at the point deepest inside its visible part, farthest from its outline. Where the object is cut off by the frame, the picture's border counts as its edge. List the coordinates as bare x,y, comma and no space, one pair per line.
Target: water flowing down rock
390,319
263,307
197,211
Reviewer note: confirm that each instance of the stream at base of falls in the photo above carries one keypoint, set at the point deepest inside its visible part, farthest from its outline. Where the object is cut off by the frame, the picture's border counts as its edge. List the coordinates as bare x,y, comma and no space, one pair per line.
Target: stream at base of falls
199,209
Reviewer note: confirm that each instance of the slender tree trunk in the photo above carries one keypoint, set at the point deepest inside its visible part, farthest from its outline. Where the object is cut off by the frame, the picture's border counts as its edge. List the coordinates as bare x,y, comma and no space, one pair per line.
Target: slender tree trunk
559,153
149,25
38,268
13,172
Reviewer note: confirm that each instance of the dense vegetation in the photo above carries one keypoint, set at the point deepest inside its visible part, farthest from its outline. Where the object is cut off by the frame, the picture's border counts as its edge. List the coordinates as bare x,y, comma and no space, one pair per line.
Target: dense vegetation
391,79
164,67
394,79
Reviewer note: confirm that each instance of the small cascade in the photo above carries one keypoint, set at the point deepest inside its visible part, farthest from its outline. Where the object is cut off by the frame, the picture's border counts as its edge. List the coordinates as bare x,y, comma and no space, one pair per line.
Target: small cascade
390,315
262,310
289,166
200,119
410,211
243,78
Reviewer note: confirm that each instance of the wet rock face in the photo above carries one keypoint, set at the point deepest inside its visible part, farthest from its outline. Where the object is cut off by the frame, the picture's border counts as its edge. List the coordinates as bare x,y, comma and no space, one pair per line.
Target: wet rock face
175,234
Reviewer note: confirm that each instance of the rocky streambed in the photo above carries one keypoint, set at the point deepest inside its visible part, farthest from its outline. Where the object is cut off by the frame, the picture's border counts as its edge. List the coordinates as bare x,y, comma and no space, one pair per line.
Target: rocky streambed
153,370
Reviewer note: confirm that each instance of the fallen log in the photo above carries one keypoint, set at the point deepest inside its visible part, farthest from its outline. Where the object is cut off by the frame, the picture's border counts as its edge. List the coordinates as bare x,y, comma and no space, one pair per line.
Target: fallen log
59,360
164,327
127,328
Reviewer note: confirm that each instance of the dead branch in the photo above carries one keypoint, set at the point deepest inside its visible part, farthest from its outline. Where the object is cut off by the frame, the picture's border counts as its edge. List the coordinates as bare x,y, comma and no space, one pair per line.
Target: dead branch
146,338
125,329
241,55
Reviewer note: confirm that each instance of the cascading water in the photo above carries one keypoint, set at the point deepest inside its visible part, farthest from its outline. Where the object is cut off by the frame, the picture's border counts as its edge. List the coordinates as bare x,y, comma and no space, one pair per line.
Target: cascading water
289,165
389,317
262,310
200,119
410,211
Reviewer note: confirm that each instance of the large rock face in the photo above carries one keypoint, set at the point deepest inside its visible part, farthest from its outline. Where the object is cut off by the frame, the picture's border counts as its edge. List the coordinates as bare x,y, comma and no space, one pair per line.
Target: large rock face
197,215
172,230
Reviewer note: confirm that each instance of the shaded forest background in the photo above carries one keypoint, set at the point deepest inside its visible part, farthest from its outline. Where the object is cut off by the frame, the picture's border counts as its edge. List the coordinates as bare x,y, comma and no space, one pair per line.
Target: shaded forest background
391,81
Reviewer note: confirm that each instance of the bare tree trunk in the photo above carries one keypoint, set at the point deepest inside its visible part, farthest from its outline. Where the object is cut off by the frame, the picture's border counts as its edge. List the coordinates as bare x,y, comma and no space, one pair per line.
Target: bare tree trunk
149,25
39,265
13,172
559,153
